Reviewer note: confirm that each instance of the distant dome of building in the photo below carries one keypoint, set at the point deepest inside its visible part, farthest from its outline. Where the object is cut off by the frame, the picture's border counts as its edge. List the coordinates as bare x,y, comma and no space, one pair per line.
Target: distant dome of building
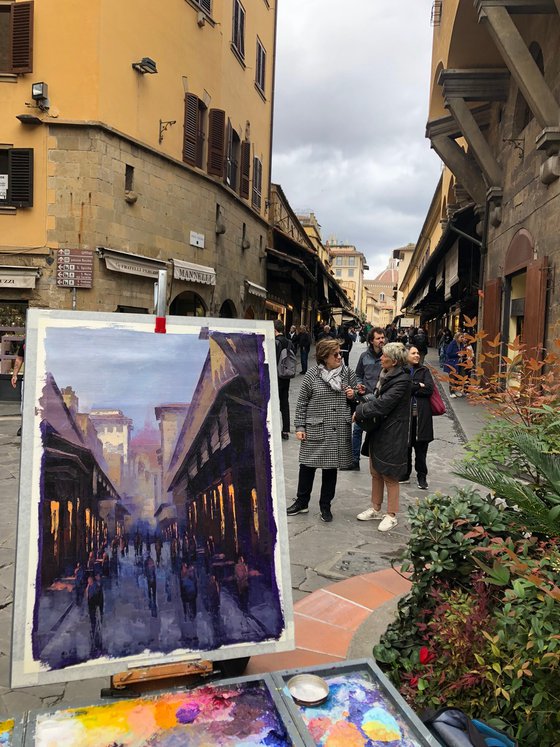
389,276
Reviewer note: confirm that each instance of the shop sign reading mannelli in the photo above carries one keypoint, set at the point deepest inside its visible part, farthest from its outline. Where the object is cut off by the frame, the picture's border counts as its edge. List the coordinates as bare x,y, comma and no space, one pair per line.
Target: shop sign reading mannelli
192,273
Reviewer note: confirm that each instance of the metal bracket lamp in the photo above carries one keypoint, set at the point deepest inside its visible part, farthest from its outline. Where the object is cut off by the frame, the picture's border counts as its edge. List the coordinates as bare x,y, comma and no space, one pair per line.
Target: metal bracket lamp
146,65
164,126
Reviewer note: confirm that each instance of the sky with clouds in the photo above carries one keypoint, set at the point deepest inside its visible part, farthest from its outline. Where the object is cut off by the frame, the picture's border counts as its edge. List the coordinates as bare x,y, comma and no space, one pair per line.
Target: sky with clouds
352,88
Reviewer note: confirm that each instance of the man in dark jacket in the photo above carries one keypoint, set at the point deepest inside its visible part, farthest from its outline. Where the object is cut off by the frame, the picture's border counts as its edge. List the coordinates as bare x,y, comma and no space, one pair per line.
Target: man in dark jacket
367,373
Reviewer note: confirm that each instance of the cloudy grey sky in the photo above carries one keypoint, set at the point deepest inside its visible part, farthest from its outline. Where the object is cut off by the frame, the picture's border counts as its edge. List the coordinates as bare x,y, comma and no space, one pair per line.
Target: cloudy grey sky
352,87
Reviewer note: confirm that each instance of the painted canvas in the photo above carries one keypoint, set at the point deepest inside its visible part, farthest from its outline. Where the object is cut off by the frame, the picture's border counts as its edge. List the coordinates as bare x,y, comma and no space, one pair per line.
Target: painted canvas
222,715
151,482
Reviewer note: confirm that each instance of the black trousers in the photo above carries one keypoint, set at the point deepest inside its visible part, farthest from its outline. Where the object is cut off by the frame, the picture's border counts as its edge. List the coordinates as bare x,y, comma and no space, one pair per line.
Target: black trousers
305,485
284,393
420,451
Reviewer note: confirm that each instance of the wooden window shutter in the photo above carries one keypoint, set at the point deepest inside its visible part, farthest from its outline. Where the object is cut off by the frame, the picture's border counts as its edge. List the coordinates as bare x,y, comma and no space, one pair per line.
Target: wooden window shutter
216,141
245,169
20,177
535,307
190,131
491,322
257,183
21,37
206,5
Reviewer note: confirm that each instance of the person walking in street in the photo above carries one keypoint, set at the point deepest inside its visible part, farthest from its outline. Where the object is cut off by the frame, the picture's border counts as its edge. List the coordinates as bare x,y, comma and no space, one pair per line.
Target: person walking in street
444,338
347,338
454,355
304,341
283,382
386,417
293,337
326,334
95,601
367,374
421,420
18,363
323,426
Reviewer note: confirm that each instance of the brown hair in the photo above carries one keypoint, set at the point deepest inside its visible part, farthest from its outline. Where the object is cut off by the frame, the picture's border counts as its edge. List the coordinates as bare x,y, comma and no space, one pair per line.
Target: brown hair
325,348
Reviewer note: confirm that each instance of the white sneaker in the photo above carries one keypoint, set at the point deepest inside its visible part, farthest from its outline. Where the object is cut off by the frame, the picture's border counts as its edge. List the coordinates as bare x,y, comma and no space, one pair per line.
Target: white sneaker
453,396
369,514
388,522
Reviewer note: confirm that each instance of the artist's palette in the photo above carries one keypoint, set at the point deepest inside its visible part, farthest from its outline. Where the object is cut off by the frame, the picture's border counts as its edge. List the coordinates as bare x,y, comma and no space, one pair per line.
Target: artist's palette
362,710
11,732
244,712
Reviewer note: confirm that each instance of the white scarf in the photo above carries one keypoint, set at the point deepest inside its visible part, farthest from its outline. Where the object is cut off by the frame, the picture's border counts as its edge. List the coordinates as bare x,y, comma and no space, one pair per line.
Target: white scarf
333,377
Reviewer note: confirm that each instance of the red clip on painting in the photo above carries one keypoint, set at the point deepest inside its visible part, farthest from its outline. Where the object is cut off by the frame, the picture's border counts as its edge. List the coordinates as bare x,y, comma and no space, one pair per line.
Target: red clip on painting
160,296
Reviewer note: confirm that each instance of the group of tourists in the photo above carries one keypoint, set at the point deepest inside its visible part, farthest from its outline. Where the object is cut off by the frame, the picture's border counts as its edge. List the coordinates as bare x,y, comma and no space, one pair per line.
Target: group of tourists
456,357
387,398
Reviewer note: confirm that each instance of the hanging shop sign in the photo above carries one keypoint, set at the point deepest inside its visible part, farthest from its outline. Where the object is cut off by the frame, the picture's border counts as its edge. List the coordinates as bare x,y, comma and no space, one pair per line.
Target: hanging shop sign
256,290
131,264
15,276
451,269
193,273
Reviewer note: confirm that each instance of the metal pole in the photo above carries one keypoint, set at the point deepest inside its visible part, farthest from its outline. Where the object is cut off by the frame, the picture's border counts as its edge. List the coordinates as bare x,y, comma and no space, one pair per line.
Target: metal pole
74,299
160,293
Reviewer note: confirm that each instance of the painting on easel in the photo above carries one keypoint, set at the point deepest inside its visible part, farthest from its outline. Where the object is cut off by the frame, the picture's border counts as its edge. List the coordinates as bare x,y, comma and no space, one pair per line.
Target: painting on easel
150,496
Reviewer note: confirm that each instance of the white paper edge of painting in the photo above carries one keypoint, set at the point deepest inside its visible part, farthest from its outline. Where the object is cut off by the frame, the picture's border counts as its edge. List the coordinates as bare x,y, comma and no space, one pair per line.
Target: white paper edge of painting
25,670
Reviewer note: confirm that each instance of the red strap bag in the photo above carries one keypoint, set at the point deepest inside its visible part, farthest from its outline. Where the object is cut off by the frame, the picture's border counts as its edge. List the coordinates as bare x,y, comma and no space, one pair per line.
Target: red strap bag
436,402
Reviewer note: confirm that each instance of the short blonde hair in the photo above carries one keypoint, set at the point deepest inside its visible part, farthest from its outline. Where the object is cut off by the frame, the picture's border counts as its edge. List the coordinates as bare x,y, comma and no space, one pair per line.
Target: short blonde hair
325,348
397,352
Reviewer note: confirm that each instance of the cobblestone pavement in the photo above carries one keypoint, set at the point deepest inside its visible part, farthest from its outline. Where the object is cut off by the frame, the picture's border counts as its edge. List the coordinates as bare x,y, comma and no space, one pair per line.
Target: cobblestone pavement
320,553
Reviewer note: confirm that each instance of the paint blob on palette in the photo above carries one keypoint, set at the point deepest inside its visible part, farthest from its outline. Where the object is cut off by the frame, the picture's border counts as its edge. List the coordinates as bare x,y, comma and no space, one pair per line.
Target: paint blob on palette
6,732
357,714
226,715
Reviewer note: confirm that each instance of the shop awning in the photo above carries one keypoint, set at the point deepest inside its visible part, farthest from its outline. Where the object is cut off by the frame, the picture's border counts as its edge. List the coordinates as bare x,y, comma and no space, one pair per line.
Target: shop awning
193,273
131,264
17,276
256,290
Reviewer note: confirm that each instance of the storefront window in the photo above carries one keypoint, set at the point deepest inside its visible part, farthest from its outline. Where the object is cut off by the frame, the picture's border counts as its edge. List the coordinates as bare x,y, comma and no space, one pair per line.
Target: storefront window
187,304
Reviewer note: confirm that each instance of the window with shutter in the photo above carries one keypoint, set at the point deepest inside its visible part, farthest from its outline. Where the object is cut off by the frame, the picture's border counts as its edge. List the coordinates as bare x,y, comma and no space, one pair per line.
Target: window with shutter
191,130
260,67
245,169
216,141
491,322
21,37
205,5
238,28
20,177
535,311
257,183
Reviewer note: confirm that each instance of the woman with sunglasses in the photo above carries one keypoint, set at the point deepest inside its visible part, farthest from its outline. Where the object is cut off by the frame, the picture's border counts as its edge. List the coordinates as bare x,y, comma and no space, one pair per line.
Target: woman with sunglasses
323,424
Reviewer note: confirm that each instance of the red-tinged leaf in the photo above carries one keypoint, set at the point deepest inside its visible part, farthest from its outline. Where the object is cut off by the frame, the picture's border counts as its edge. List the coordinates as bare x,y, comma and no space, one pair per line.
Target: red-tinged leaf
468,322
495,342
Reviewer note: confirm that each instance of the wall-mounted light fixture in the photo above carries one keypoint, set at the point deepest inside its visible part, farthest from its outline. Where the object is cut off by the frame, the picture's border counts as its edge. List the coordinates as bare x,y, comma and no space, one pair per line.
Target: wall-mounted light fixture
146,65
164,126
40,94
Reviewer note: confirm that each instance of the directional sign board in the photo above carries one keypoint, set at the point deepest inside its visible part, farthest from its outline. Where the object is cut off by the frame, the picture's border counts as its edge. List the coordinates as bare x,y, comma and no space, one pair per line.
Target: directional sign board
74,268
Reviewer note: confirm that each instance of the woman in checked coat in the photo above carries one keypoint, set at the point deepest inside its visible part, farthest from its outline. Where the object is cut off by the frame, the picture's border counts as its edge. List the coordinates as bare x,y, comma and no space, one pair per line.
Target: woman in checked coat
323,426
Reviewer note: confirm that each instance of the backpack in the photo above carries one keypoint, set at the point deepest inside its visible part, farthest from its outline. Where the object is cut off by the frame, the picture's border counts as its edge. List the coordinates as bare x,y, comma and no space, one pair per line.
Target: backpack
287,362
454,728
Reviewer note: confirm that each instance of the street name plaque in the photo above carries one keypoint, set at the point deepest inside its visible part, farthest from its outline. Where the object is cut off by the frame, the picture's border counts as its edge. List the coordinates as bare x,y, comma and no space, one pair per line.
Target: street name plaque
74,268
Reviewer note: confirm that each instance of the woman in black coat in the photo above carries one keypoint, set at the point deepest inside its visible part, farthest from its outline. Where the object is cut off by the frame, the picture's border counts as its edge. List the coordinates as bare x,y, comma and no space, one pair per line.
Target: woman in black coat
421,421
387,444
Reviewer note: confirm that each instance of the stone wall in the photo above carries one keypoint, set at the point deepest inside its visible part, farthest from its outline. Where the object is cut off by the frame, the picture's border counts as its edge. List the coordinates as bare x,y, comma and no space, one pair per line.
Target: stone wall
88,207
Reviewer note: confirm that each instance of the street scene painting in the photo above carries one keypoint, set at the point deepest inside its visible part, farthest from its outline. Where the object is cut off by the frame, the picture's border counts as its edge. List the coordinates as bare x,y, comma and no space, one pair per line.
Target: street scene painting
148,516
